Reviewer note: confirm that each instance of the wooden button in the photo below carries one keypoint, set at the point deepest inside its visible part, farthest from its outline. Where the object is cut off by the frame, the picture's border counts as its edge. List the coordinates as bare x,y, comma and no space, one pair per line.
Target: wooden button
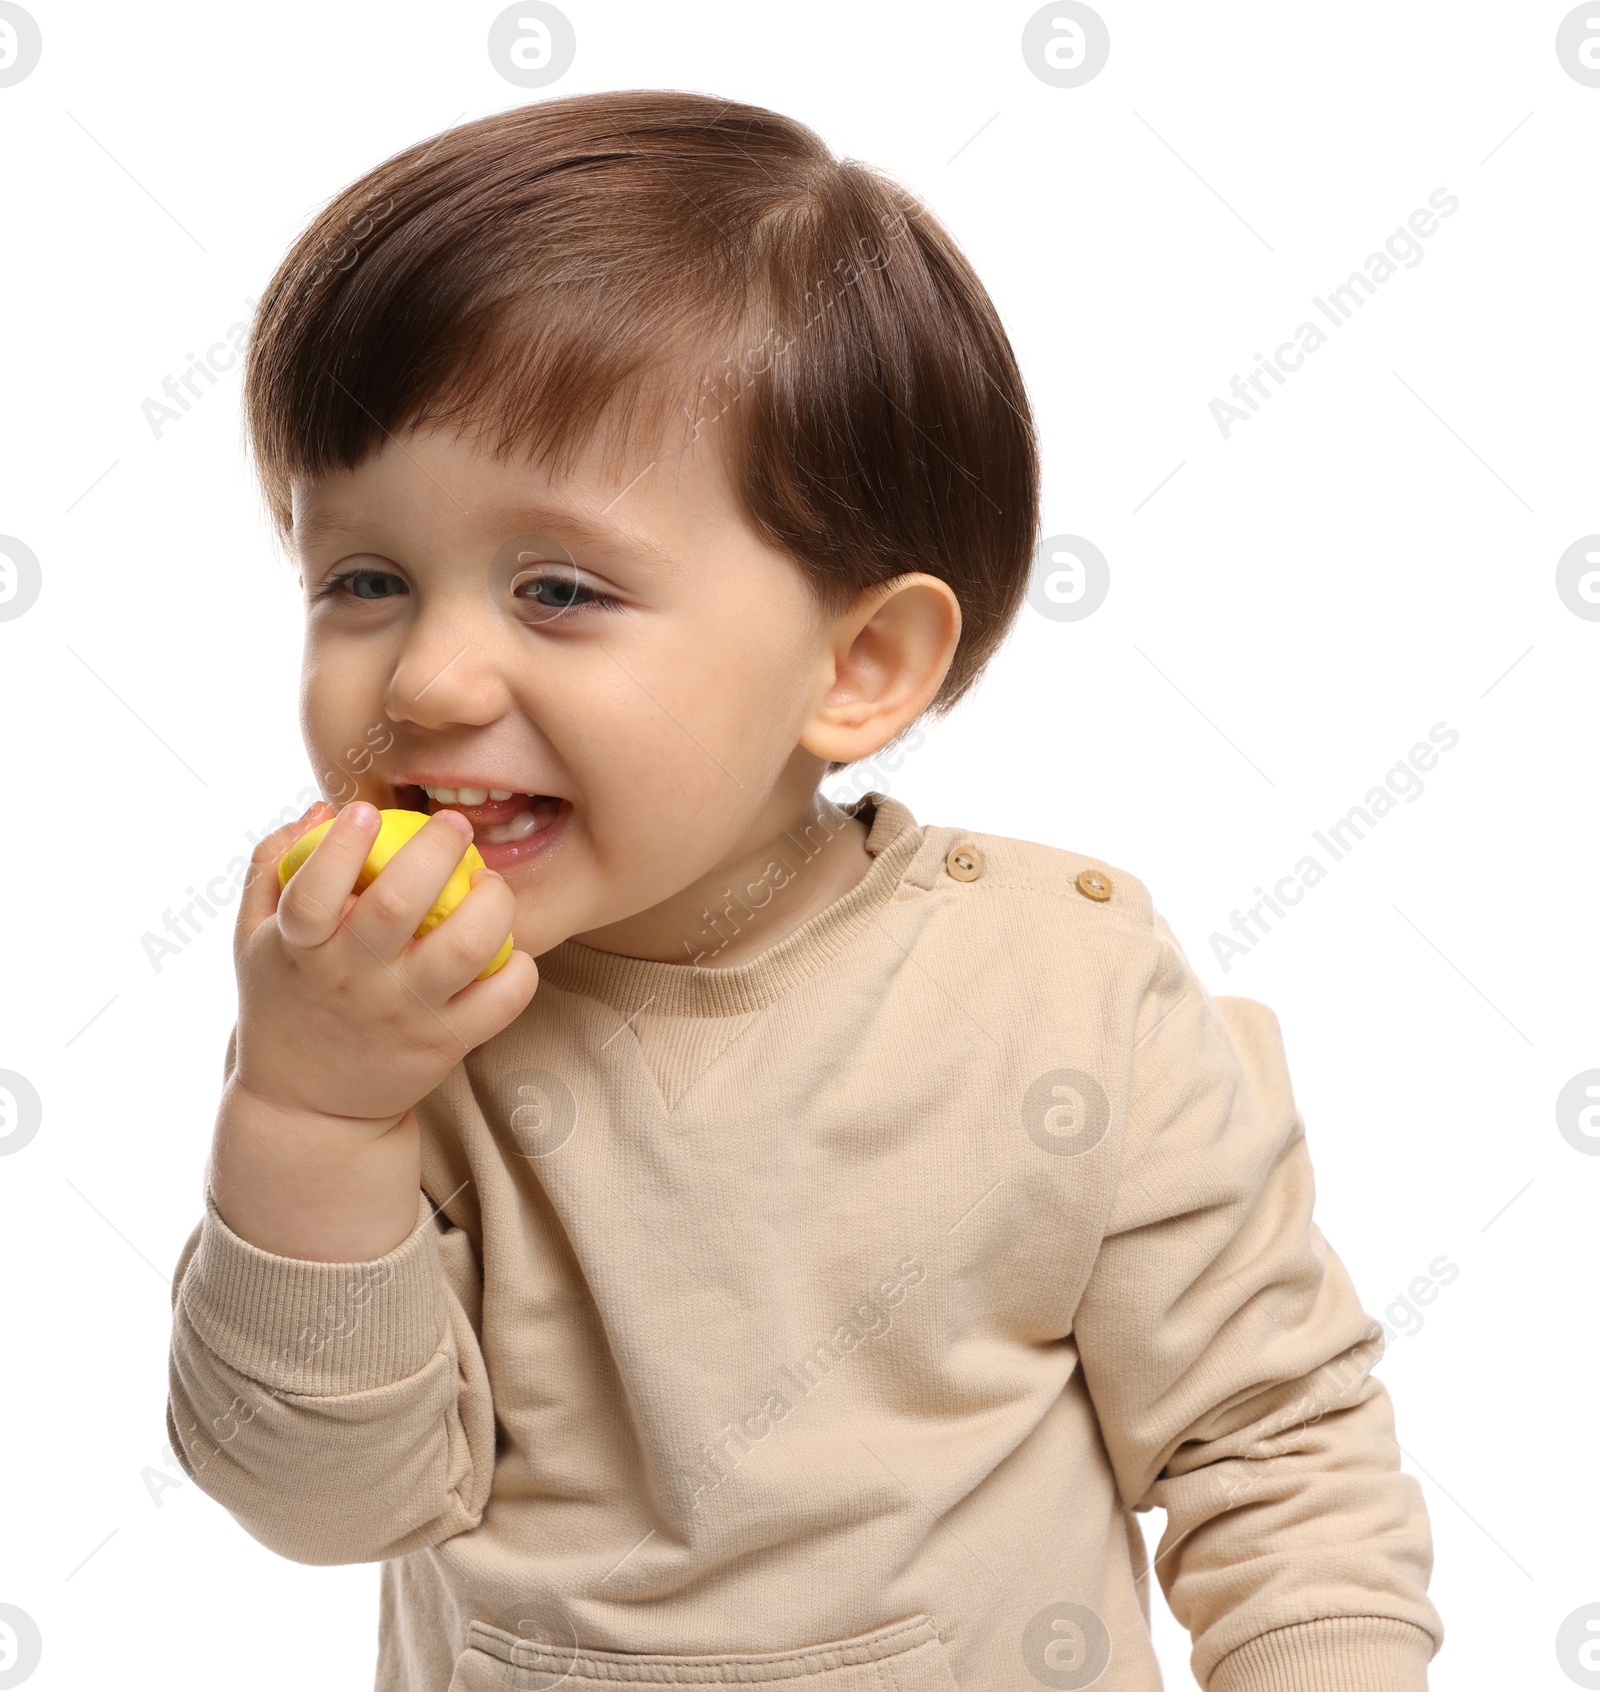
1093,885
964,862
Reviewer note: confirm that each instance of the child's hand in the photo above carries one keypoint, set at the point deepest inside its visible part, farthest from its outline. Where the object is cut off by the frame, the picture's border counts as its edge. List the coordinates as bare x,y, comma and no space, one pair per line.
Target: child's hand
342,1012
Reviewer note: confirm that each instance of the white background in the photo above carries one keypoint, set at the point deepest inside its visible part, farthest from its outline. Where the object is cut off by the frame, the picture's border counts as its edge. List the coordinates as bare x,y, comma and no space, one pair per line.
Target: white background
1373,553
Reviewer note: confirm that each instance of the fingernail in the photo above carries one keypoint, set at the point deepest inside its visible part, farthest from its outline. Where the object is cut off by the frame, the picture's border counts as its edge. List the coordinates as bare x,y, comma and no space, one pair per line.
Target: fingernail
457,821
362,812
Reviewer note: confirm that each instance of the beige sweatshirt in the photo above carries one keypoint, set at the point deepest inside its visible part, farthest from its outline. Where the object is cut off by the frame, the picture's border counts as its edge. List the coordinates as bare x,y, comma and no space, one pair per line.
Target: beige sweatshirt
824,1319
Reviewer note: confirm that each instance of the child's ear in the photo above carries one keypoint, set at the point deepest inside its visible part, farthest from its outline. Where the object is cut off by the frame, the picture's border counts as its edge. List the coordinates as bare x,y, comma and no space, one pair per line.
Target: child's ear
881,664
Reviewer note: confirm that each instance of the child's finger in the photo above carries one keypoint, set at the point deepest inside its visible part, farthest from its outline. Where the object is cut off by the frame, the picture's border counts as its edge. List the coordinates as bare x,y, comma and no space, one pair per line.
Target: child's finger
260,897
391,909
449,957
312,903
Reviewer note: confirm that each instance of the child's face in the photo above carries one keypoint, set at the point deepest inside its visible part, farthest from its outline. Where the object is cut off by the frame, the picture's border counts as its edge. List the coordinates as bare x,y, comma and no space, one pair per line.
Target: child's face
661,731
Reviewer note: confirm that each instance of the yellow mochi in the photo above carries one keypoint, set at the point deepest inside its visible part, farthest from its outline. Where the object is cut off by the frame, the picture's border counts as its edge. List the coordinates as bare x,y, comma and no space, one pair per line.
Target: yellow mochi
395,828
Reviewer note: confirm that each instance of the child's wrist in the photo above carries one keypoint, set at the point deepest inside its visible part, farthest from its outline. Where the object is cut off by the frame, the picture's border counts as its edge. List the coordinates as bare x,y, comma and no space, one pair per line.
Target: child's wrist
270,1103
299,1183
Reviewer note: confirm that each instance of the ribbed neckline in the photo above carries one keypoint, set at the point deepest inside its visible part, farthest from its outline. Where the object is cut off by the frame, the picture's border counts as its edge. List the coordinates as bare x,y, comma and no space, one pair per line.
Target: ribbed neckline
671,989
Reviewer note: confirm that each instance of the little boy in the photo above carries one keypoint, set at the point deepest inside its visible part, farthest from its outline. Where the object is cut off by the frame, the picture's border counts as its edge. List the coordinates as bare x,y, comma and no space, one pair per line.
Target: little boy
803,1257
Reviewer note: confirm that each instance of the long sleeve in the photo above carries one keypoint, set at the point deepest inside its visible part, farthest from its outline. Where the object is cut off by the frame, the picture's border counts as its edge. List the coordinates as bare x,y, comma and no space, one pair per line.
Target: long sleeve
1228,1357
339,1411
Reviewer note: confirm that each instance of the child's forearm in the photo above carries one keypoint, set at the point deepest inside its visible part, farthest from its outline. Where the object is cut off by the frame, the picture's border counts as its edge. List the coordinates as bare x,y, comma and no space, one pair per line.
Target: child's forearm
300,1184
341,1411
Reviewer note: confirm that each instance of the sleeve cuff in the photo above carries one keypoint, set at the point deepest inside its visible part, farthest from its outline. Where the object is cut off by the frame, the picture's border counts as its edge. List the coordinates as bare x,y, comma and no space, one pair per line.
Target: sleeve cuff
317,1329
1335,1654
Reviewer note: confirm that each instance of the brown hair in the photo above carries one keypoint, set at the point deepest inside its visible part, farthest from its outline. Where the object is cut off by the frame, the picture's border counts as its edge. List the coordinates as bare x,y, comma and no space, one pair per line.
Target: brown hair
535,272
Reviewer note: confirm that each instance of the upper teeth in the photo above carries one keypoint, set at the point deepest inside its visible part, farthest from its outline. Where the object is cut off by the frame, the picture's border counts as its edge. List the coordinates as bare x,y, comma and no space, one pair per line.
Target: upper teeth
466,795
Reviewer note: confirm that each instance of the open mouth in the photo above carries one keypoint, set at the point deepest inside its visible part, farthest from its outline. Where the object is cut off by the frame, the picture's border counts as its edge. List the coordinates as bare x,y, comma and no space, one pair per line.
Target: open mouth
506,822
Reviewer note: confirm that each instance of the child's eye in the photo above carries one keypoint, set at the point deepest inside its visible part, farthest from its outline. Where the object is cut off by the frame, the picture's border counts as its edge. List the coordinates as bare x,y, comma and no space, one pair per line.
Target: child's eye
557,592
391,584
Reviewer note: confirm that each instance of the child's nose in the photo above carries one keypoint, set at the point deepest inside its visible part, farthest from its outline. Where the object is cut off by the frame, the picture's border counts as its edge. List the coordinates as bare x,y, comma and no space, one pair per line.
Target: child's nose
451,677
